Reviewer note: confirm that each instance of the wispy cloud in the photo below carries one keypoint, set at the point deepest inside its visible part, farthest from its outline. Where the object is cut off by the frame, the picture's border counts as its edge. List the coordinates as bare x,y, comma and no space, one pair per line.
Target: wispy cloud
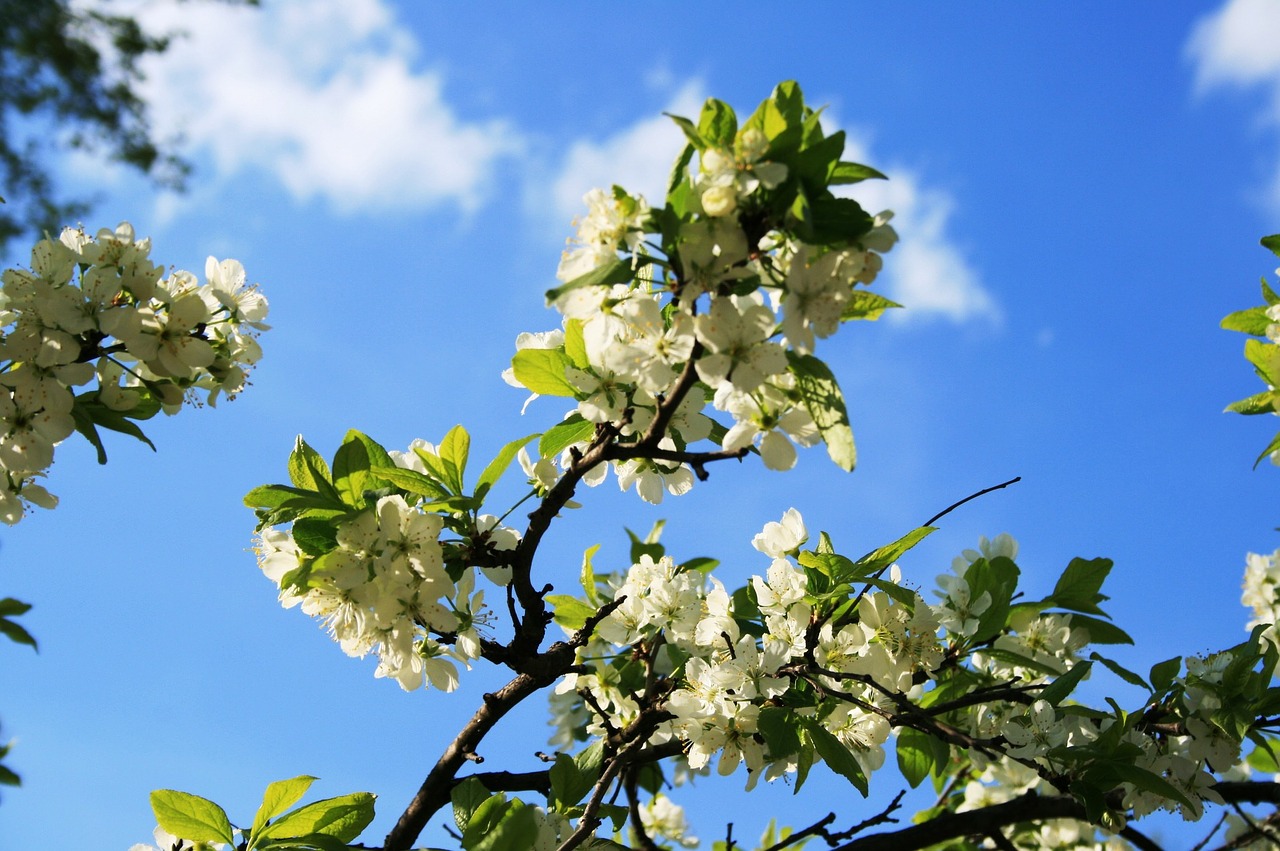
1239,47
325,96
927,271
637,157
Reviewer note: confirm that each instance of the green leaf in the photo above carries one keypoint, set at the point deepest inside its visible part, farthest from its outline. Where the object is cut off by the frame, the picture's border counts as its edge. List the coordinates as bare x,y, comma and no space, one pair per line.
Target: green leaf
307,470
466,797
1163,673
1061,688
780,727
575,346
1263,758
616,271
717,125
495,468
454,451
588,576
814,163
999,578
344,818
920,754
280,796
484,819
1147,781
17,633
690,131
107,418
84,425
1272,243
570,782
846,172
866,305
822,398
1269,295
413,482
9,607
569,612
836,755
512,833
573,429
679,168
1100,631
351,471
191,817
839,221
1078,587
1265,358
789,100
543,371
1259,403
1272,447
1120,671
884,556
1252,321
9,778
800,216
650,545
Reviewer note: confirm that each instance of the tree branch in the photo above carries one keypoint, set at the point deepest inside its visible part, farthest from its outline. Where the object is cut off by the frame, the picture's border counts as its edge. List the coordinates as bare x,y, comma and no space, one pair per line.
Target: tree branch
950,508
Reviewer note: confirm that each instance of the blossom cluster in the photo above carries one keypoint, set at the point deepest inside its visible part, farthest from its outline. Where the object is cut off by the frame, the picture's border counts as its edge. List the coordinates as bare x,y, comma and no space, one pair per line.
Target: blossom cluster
96,310
717,312
724,667
1262,592
382,585
724,675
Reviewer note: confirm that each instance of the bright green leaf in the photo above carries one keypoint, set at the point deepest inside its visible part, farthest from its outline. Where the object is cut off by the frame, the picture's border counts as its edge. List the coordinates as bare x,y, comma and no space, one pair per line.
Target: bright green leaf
575,345
466,797
569,612
836,755
1078,587
280,796
413,482
920,754
344,817
1252,321
866,305
543,371
846,172
717,125
1061,688
491,473
191,817
1163,673
454,451
573,429
618,271
822,398
1259,403
588,576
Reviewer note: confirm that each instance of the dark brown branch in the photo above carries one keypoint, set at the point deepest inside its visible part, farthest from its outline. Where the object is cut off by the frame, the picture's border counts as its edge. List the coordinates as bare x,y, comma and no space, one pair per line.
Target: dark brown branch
950,508
696,460
537,673
982,822
1034,808
818,828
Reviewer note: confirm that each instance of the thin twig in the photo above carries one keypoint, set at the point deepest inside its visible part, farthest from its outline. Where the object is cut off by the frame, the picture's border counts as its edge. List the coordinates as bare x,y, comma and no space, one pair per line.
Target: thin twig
950,508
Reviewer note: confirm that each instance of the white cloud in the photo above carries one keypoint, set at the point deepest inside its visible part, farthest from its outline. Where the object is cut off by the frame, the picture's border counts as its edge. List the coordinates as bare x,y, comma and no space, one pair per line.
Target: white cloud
638,158
1239,46
926,271
323,94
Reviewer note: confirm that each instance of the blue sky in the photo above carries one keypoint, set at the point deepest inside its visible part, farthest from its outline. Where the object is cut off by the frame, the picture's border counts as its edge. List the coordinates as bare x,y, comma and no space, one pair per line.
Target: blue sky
1079,189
